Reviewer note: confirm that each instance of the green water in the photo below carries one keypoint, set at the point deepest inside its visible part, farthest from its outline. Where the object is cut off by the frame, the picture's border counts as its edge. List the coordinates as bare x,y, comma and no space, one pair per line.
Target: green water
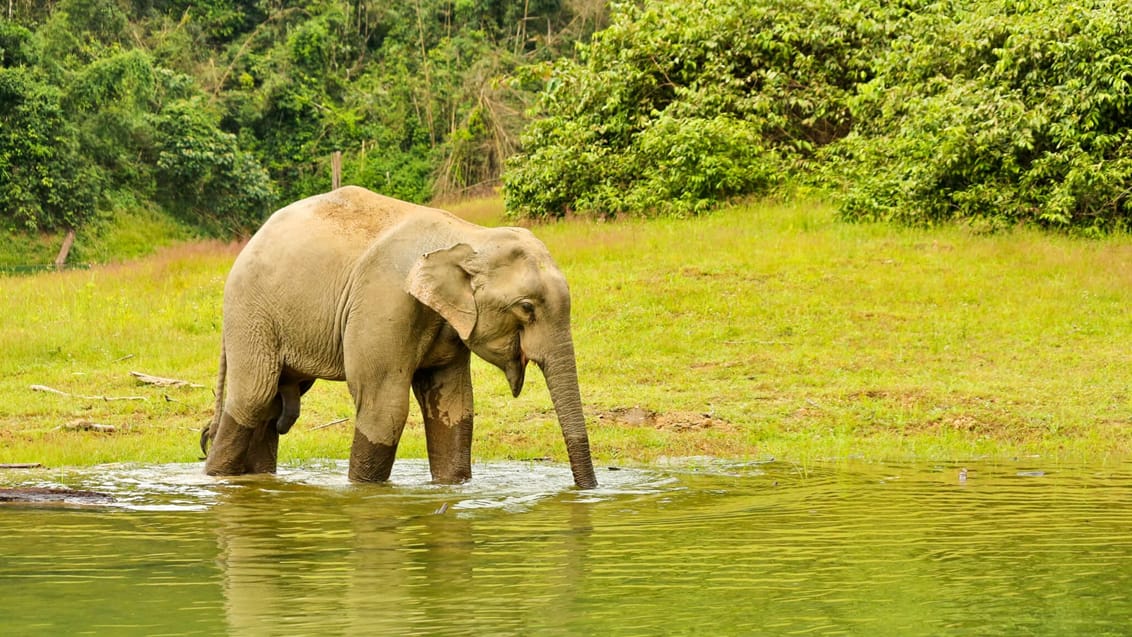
693,548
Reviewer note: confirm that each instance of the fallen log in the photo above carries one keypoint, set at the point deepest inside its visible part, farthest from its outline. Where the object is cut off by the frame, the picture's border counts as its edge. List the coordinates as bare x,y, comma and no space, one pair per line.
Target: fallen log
86,425
162,382
42,495
52,390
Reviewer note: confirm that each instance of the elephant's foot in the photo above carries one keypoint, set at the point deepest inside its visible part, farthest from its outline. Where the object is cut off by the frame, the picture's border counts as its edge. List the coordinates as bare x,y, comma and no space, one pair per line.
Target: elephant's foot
263,452
458,477
238,450
370,462
450,465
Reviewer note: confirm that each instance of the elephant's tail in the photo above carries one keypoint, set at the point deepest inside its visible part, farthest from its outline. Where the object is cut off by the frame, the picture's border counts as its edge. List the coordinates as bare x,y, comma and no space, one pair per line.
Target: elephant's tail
209,431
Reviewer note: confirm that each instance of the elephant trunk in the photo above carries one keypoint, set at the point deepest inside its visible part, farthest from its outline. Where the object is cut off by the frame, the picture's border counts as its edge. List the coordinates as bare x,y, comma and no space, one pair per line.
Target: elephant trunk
561,374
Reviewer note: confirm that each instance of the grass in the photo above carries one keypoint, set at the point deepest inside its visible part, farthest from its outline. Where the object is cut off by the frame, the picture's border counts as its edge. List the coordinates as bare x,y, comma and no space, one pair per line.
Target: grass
769,329
131,233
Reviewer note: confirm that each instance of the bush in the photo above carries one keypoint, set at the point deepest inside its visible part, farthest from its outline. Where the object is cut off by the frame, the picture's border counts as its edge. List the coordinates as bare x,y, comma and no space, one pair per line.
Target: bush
679,105
45,182
203,175
1001,112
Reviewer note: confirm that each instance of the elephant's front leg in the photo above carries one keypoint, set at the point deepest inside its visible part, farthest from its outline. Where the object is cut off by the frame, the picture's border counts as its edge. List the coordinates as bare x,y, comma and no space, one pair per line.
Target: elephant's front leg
382,410
445,397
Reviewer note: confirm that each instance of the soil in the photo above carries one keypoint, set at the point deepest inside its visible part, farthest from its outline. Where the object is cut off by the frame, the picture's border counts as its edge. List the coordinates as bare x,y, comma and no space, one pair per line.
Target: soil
43,495
670,421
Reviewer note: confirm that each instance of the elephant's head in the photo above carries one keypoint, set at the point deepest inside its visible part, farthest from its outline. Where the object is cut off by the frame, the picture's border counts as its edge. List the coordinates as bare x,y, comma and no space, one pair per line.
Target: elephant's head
510,304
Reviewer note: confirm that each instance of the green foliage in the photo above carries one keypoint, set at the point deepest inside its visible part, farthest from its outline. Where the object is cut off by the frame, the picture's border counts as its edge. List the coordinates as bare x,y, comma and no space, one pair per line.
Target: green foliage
919,111
203,174
681,104
217,111
46,182
417,96
78,31
997,112
17,46
1000,112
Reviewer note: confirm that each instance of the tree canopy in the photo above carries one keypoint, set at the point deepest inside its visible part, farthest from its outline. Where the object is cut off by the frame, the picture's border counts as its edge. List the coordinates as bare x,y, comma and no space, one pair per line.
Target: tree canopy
1000,111
217,111
918,111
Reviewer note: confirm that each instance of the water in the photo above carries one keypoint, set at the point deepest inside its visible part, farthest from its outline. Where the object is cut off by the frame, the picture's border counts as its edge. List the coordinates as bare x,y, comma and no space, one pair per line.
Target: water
695,547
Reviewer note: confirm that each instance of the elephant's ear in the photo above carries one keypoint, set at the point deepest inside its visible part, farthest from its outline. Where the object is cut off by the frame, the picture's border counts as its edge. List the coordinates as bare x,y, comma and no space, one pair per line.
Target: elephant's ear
442,281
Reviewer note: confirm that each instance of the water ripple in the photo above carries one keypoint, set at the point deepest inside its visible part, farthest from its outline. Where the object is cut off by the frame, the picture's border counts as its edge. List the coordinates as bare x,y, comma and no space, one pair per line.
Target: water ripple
693,546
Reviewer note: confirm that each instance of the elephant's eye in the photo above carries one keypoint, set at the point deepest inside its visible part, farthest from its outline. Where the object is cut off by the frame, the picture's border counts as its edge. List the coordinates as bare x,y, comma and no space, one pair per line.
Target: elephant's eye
527,309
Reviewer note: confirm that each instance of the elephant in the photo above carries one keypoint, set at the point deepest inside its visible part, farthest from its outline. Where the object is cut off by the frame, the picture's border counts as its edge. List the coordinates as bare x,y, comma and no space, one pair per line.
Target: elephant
392,298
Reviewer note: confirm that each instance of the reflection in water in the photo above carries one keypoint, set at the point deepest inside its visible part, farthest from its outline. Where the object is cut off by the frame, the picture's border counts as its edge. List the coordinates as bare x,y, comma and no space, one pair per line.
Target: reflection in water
694,549
381,559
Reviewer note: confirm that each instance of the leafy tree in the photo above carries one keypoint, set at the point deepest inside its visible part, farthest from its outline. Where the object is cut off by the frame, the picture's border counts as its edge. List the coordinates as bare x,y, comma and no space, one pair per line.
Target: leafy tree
219,110
681,104
202,173
1000,112
17,46
46,183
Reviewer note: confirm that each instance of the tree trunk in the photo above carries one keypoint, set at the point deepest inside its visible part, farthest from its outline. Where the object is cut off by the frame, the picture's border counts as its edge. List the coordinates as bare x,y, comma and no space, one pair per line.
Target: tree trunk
65,249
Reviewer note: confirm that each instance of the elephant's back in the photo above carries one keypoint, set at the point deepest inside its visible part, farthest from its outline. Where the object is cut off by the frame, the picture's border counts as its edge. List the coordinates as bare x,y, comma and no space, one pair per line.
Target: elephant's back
361,213
358,212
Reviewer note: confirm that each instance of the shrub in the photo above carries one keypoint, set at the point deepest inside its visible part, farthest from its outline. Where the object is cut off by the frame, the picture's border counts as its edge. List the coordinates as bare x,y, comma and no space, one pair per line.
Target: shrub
202,173
679,105
46,183
999,111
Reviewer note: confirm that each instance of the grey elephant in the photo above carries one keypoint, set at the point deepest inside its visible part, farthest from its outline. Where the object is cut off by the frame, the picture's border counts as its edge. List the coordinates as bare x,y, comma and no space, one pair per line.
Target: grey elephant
392,298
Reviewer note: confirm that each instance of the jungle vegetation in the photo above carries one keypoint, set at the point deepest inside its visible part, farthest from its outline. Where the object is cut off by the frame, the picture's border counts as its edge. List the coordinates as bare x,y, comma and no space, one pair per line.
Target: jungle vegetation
217,111
214,112
997,112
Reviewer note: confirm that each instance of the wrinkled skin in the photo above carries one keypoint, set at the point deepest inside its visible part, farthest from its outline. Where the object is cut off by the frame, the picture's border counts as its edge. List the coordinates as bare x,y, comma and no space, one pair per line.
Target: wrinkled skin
392,298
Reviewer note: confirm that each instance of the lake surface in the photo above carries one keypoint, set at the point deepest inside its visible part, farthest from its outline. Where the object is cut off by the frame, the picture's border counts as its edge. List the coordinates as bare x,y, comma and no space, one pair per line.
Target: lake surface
693,547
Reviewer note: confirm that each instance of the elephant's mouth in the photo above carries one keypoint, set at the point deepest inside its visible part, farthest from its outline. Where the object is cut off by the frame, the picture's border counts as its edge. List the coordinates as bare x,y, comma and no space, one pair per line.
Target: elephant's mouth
516,372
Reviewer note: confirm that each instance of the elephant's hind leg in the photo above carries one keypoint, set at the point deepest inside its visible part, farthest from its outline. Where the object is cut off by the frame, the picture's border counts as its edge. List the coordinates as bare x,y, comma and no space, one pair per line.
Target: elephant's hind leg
238,450
246,438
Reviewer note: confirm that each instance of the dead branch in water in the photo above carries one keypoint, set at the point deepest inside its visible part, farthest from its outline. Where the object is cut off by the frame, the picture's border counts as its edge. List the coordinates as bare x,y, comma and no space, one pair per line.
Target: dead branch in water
21,465
163,382
51,390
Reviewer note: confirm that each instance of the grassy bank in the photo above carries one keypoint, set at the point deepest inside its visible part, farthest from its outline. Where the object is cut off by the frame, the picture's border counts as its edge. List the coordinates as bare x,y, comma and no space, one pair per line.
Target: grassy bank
764,330
130,233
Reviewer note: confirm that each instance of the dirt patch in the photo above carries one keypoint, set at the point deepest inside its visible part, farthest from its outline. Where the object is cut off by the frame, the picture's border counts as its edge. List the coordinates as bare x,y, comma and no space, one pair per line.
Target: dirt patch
670,421
43,495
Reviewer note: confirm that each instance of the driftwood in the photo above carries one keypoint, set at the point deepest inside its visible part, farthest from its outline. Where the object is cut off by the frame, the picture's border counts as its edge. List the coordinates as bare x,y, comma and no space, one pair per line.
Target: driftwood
21,465
163,382
43,495
51,390
86,425
330,424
